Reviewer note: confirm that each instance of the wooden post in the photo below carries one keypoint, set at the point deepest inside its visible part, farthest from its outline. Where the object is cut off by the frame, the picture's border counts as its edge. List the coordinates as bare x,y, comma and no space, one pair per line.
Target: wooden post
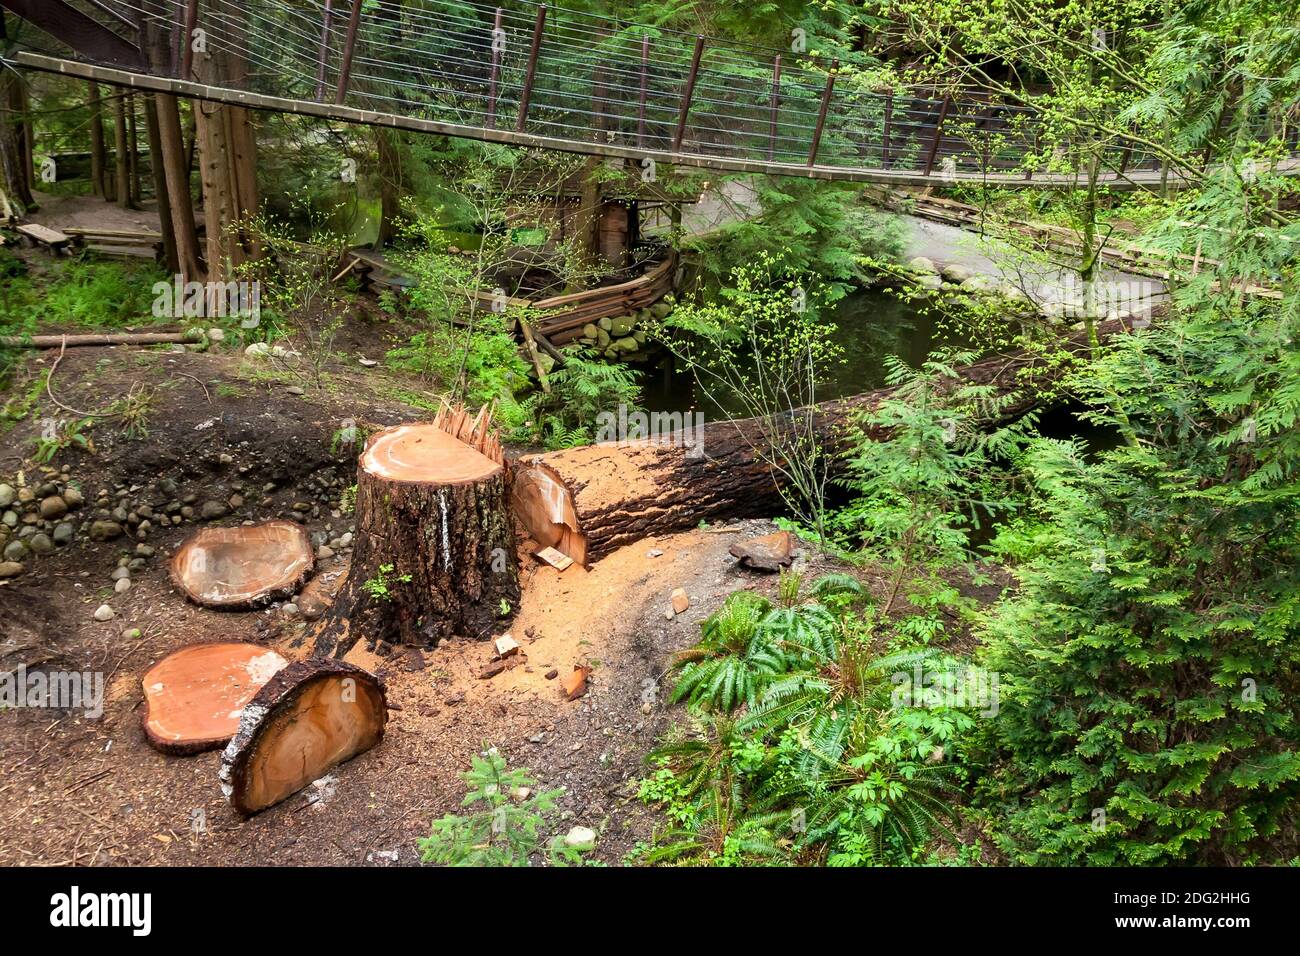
775,106
938,132
322,64
526,95
687,93
821,114
645,69
889,116
1124,156
495,75
187,41
349,46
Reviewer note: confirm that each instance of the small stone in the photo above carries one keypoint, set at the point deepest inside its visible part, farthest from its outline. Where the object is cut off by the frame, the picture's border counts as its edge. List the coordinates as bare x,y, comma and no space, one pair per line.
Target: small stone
296,390
122,586
290,608
144,550
216,335
10,519
655,553
105,530
40,543
324,551
53,507
506,645
681,601
7,495
64,532
15,551
10,569
211,510
131,634
122,572
580,838
552,674
72,495
104,613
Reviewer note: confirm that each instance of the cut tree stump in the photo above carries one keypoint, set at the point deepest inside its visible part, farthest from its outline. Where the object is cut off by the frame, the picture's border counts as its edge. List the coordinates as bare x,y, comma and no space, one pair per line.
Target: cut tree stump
310,717
243,566
435,551
194,697
587,502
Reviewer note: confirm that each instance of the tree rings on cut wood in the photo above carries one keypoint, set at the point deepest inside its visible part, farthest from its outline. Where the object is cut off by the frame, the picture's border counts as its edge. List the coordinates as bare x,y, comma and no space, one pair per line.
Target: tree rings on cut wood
435,553
244,566
310,717
194,697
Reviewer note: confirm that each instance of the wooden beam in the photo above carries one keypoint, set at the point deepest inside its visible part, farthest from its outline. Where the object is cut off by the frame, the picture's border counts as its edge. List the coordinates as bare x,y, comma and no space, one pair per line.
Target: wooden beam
70,26
821,114
773,108
687,93
349,47
938,133
526,95
322,63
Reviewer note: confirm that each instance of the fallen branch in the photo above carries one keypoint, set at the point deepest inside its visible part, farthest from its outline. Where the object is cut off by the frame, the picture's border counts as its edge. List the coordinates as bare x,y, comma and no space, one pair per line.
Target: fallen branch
98,338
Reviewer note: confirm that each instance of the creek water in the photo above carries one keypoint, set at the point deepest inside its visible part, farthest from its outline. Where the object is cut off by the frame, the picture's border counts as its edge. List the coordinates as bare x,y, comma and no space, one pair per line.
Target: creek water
870,325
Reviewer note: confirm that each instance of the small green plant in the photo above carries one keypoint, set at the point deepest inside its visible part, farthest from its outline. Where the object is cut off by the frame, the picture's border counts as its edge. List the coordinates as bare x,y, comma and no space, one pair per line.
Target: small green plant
70,434
507,826
380,586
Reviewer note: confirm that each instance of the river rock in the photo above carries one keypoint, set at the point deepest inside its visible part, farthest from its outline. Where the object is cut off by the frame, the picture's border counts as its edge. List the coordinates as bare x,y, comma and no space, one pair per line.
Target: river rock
40,543
212,510
922,264
929,281
105,530
72,495
955,272
104,613
53,507
10,569
7,495
64,532
627,344
15,550
580,838
621,326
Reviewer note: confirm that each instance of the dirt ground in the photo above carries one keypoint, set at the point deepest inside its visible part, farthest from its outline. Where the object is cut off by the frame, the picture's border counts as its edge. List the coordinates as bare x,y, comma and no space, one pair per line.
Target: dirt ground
75,790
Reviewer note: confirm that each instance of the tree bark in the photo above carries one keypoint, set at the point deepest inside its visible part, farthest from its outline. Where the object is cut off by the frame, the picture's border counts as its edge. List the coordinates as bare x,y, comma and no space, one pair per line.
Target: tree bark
390,176
121,159
98,159
589,501
133,151
435,547
180,202
15,180
171,258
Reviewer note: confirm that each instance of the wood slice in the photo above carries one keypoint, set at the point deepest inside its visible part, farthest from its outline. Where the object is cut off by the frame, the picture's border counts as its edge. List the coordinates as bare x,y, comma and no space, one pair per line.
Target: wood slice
310,717
195,697
244,566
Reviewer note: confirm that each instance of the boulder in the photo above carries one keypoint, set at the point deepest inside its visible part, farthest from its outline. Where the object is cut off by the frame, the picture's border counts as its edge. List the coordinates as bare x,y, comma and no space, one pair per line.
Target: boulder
105,530
771,552
922,264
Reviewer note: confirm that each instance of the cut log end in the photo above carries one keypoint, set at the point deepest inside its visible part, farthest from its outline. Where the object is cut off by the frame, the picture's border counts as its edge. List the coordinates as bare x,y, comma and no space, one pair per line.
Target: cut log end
243,567
428,455
310,717
194,697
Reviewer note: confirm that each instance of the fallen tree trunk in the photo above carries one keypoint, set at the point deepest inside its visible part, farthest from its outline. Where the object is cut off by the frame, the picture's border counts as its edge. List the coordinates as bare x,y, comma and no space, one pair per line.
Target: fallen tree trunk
310,717
435,547
587,502
95,338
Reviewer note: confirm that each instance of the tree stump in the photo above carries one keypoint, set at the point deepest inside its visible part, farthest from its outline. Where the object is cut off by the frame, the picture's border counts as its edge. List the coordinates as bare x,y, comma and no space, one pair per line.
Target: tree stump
310,717
195,697
435,542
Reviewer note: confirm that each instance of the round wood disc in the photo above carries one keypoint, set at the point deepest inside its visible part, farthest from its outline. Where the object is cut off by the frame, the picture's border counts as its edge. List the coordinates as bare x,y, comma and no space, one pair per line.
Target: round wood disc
243,566
425,454
194,697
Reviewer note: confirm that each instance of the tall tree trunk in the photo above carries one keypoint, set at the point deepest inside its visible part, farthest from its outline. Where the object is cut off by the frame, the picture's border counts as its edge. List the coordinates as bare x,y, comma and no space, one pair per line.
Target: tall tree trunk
390,177
98,161
177,175
133,150
587,219
171,258
14,179
121,159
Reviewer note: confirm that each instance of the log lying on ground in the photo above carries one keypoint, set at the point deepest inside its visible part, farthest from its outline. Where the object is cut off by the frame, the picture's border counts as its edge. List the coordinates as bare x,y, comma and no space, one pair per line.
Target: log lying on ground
435,543
592,500
194,697
310,717
243,566
95,338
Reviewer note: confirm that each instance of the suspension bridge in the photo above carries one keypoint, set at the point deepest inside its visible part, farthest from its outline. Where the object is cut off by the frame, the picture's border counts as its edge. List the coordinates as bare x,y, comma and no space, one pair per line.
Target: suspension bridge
536,76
